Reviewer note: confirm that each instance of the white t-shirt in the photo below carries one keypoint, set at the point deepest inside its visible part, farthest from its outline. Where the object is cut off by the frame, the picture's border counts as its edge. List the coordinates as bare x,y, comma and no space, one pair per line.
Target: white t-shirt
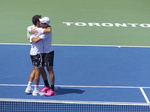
36,48
47,42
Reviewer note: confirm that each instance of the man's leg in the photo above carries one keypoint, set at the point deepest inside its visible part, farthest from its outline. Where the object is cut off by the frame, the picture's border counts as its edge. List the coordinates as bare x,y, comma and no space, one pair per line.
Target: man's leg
52,79
52,76
29,88
37,76
49,59
46,84
36,81
32,76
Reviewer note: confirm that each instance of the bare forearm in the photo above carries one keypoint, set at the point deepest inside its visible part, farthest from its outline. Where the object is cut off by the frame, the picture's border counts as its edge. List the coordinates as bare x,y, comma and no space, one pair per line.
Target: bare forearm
36,39
47,30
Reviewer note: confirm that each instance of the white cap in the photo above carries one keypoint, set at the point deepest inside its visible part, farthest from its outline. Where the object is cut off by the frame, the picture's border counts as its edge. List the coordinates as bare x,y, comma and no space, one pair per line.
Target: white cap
45,20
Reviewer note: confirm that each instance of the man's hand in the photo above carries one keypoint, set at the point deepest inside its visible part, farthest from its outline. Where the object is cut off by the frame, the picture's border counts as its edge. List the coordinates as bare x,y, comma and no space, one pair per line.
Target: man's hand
34,31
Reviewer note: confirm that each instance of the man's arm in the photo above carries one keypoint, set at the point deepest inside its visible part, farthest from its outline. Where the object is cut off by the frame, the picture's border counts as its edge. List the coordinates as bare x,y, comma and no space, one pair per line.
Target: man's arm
47,30
37,39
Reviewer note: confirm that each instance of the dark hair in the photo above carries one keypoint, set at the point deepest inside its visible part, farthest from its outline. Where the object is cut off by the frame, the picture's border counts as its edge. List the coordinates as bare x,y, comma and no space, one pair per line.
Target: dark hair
35,19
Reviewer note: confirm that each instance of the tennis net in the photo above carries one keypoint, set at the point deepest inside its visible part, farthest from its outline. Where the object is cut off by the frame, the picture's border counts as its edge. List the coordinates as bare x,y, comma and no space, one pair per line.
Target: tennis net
32,105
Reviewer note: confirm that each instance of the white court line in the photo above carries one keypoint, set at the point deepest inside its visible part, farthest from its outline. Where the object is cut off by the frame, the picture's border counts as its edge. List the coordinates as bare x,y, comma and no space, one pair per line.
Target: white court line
80,86
79,45
144,94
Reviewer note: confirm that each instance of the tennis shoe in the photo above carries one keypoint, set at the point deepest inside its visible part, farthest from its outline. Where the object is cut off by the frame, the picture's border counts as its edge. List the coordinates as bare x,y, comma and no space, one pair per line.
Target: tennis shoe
37,93
50,93
44,89
29,90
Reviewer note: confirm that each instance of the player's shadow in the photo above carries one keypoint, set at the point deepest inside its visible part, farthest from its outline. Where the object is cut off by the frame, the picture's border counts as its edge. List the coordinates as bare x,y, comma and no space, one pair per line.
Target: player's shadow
62,91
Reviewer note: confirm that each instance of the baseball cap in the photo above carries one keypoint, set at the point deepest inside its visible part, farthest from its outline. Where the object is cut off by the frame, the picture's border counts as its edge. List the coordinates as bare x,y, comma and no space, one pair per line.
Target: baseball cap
45,20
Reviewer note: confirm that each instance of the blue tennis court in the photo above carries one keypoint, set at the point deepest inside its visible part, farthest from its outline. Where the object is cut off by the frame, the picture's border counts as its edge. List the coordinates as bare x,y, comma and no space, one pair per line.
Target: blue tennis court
83,73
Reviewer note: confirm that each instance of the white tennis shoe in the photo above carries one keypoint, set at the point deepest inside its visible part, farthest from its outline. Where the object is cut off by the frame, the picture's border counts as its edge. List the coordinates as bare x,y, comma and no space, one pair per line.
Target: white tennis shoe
29,90
38,93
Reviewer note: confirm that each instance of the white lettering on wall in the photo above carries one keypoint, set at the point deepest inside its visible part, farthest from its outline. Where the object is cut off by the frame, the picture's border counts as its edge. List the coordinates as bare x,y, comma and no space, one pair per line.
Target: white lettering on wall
143,25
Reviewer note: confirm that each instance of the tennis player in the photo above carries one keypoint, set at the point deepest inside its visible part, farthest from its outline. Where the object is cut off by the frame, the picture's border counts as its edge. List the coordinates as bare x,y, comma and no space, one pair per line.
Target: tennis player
48,53
32,30
36,31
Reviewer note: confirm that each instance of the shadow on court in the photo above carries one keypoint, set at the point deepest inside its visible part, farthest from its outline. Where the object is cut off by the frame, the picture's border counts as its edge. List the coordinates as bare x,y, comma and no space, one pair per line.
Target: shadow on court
62,91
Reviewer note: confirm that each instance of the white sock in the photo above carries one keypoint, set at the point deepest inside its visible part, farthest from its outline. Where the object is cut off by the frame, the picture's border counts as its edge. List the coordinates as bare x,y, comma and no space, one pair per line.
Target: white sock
29,84
36,87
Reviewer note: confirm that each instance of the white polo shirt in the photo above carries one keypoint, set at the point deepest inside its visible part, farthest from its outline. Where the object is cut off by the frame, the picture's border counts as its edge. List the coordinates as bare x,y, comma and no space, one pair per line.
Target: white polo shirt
36,48
47,42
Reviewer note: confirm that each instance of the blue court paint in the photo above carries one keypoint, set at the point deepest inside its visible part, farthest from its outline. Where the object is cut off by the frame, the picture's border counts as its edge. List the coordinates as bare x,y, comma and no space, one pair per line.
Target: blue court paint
82,65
